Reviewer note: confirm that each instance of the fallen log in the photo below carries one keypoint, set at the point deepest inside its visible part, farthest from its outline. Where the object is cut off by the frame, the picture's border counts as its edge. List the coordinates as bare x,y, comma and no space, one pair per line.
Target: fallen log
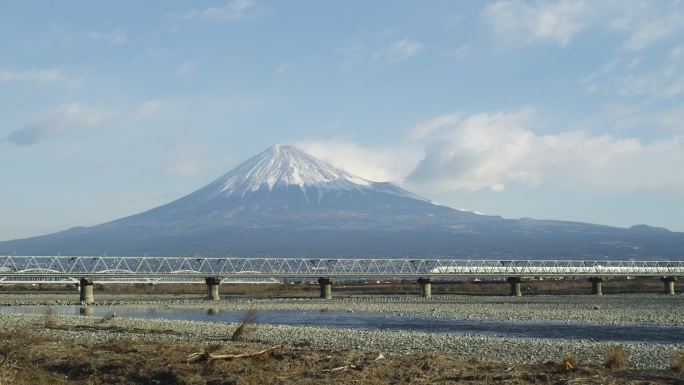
206,356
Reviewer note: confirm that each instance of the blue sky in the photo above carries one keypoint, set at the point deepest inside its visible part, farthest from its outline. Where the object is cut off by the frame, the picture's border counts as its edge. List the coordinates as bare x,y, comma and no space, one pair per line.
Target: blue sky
557,109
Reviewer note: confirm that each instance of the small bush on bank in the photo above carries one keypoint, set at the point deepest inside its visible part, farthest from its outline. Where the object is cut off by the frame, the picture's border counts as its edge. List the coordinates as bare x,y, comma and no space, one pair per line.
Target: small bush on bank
49,319
242,331
677,363
569,362
615,357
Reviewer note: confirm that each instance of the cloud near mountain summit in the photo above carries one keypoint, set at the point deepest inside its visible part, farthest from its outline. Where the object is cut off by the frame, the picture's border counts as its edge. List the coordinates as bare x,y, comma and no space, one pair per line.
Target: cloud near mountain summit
491,151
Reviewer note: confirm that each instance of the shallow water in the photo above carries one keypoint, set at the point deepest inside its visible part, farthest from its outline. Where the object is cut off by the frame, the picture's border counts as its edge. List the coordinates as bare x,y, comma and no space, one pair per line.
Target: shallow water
380,321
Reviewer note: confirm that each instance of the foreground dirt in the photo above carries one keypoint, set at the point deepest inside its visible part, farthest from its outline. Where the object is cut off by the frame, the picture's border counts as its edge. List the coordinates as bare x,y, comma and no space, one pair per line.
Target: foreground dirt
31,359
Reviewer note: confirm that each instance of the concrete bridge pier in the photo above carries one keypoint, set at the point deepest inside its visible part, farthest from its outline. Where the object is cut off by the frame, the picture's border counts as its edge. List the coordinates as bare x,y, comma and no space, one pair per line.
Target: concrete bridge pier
85,290
213,288
596,285
326,287
425,287
669,283
515,286
86,311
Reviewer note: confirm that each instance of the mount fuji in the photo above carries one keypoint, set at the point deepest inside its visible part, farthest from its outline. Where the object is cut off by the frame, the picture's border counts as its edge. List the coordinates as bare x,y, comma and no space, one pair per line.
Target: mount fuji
285,202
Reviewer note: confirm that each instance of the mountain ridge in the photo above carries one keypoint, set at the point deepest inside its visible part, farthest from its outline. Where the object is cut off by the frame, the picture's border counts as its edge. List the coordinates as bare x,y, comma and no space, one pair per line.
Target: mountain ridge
283,201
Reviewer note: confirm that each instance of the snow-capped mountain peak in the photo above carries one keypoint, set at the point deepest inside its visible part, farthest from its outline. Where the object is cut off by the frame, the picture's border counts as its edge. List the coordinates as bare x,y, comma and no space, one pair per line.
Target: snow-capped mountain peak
284,165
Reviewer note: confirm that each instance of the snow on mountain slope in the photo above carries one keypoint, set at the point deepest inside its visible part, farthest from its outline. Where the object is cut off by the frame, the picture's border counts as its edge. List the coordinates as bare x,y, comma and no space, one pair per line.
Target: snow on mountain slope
287,166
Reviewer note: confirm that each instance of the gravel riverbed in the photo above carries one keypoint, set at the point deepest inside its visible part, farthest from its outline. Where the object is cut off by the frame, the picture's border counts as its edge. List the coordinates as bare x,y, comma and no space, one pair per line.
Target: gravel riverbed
617,309
512,350
648,309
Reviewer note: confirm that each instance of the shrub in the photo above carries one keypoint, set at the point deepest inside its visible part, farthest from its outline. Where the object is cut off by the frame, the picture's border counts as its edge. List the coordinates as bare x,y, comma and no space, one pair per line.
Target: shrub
49,320
242,331
569,362
677,363
616,357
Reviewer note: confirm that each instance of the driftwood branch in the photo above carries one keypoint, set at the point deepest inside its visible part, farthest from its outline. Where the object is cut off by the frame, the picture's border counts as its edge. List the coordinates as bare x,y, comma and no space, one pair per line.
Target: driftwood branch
206,356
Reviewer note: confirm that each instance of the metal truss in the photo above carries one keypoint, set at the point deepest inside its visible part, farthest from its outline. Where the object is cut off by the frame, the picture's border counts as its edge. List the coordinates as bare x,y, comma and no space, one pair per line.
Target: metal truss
68,269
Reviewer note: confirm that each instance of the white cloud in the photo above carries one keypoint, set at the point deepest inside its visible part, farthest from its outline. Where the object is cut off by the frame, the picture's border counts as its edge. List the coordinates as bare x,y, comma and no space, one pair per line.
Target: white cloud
518,22
378,48
382,164
114,36
44,76
234,10
72,117
186,68
429,127
461,52
494,150
403,49
629,77
646,31
64,118
150,106
282,70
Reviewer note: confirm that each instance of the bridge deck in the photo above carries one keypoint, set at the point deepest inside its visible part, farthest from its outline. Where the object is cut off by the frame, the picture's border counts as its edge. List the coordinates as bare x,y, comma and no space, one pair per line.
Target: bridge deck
52,269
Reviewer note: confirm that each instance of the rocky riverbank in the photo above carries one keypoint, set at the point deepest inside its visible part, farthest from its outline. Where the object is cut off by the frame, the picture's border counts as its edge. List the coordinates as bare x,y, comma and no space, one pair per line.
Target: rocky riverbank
510,350
647,309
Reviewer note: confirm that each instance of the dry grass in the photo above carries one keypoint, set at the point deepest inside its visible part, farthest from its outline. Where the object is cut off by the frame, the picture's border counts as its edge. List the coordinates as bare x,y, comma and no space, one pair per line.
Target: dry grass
123,361
243,330
677,363
49,319
615,357
569,362
13,346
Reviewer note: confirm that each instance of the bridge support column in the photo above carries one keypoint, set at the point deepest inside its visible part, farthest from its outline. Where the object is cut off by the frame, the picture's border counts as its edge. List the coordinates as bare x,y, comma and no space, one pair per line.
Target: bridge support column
326,287
425,287
86,311
213,288
669,283
85,290
515,286
596,285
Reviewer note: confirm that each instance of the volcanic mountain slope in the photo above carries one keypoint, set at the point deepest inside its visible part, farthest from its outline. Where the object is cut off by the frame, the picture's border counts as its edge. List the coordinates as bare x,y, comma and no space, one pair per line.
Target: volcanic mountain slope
286,202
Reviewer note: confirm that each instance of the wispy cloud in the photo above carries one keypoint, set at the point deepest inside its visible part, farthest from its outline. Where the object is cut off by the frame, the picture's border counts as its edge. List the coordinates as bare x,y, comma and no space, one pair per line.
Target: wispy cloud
64,118
520,22
234,10
114,36
403,49
646,28
378,48
184,166
629,77
43,76
282,70
186,68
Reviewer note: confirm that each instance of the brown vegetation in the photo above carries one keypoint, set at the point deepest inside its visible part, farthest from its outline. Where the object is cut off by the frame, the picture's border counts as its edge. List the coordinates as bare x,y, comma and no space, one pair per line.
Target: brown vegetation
242,331
615,357
677,363
569,362
41,360
48,319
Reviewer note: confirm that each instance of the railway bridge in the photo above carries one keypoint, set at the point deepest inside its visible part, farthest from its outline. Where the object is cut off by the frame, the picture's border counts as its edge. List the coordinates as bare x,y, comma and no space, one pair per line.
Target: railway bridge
87,270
